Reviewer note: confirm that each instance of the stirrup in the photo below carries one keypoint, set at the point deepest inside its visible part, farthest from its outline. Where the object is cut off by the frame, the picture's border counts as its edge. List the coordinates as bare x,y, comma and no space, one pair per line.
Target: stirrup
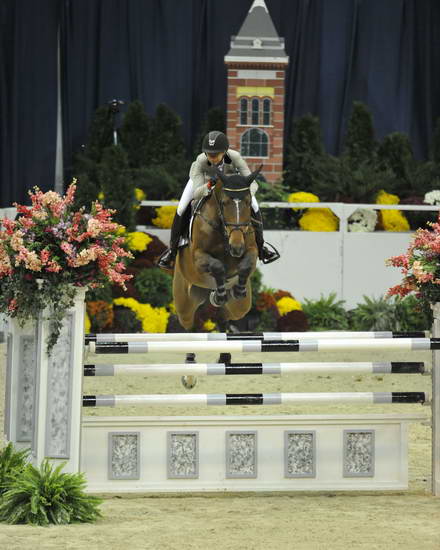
272,251
166,260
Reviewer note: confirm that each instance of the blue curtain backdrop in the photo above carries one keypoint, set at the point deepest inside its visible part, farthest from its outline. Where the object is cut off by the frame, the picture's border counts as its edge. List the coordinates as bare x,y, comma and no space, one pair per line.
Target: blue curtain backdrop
386,54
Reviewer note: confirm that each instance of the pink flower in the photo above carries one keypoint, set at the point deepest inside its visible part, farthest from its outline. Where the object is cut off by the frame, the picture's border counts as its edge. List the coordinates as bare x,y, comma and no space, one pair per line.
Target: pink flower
12,306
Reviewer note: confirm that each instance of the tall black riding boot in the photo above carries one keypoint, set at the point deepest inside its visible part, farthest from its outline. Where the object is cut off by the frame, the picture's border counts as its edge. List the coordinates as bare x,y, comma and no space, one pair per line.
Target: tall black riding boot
166,261
266,252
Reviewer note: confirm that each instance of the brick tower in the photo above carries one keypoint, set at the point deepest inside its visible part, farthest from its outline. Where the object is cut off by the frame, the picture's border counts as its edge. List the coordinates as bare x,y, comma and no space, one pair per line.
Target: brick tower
256,64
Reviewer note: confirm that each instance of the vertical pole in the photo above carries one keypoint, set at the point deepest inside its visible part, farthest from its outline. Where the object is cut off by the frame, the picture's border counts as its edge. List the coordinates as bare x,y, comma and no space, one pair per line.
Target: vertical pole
436,404
58,400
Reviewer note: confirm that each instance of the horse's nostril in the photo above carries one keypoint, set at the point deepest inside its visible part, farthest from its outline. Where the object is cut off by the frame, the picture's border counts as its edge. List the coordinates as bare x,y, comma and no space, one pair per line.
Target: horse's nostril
237,251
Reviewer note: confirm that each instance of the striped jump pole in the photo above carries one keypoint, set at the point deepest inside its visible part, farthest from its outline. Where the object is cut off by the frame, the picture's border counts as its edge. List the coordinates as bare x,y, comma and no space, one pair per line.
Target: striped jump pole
211,336
258,346
213,369
255,399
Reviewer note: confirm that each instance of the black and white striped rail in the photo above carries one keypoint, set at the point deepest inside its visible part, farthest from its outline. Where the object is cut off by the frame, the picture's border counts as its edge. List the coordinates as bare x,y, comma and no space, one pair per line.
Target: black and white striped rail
214,336
258,346
255,399
213,369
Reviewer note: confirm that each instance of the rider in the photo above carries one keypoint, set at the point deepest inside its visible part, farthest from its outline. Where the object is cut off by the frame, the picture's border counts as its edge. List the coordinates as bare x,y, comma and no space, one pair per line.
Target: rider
216,152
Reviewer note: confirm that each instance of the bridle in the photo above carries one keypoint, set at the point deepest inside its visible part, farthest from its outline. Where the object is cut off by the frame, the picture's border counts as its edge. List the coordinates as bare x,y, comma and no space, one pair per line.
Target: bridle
223,226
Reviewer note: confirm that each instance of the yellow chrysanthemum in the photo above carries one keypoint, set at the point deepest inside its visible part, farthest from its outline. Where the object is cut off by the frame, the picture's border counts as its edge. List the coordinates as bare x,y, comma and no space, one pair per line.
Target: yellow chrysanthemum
209,325
139,194
172,308
386,198
153,319
101,196
138,241
87,324
394,220
120,230
319,219
302,196
165,216
286,304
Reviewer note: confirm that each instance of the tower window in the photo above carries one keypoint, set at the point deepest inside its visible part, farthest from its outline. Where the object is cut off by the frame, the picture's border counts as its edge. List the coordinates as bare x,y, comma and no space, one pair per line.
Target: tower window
254,143
255,111
243,111
266,112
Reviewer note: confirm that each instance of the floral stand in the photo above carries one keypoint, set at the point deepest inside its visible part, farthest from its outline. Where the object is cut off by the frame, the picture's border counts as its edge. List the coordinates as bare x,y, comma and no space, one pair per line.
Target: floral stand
44,393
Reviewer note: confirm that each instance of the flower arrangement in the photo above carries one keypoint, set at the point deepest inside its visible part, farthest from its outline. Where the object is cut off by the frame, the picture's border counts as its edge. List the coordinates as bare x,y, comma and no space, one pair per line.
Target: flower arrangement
420,266
319,219
314,219
302,196
287,304
138,241
164,216
51,250
392,220
153,319
362,220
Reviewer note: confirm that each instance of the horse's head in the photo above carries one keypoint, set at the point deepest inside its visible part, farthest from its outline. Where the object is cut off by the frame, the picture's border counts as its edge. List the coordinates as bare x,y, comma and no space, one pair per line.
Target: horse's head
234,196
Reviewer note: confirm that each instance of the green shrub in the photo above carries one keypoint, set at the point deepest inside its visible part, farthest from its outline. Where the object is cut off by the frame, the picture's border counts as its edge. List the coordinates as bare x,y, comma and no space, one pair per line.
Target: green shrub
375,314
125,320
325,313
46,495
154,287
275,218
360,145
412,315
158,183
12,463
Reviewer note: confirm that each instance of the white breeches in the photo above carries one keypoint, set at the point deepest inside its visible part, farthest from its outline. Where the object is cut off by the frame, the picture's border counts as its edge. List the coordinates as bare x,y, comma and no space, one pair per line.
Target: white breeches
188,193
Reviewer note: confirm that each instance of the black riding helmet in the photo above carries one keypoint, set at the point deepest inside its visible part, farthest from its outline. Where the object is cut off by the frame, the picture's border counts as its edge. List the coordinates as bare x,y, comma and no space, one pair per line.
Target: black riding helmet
215,142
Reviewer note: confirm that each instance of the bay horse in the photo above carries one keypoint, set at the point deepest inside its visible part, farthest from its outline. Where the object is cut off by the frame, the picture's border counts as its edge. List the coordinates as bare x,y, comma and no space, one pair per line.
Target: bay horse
221,254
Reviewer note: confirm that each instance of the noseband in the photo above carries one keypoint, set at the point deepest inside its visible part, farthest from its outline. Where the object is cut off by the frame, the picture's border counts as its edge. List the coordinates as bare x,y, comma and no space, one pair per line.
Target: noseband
224,225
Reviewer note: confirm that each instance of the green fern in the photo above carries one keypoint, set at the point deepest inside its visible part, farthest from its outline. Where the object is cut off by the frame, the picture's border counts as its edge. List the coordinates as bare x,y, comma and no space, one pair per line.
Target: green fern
326,313
12,463
375,314
46,495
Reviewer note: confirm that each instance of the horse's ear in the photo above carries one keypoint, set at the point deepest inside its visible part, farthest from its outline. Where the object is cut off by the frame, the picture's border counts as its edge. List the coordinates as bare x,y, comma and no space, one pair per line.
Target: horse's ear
219,174
254,174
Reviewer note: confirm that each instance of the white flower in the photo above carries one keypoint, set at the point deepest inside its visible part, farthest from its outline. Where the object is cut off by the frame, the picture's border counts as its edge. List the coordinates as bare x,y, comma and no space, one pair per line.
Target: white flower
433,197
362,219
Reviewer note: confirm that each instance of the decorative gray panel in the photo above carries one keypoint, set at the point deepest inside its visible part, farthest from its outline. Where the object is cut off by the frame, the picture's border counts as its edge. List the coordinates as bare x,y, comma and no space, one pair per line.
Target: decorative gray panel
59,392
358,453
123,455
241,454
183,455
299,453
26,388
8,389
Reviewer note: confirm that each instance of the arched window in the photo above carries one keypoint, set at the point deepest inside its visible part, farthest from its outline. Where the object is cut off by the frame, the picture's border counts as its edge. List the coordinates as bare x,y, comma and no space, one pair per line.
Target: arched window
243,111
266,112
255,115
254,143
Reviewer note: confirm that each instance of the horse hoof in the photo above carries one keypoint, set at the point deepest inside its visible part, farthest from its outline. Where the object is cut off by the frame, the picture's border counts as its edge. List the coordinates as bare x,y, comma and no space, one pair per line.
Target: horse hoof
239,292
216,300
189,382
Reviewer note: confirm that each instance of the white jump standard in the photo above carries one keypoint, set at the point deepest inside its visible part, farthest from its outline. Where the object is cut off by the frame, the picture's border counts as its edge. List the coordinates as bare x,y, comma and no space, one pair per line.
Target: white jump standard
255,399
258,346
210,336
216,369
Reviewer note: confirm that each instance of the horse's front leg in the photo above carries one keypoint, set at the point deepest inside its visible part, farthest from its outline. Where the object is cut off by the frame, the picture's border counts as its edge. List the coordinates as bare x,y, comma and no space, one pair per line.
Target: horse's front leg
205,263
244,270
